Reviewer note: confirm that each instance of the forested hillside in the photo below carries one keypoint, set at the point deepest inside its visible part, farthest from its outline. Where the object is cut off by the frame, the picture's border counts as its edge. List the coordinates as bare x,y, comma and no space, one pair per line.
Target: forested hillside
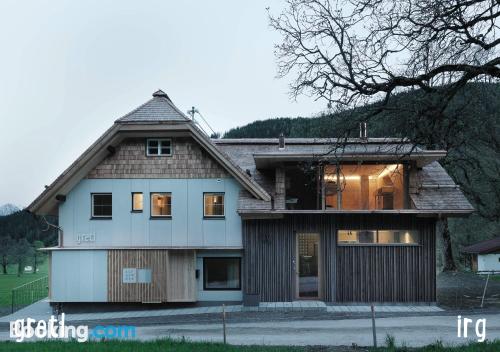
471,135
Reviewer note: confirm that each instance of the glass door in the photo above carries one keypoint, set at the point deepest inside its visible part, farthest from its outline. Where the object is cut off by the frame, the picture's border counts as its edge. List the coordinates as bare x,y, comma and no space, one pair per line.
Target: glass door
308,265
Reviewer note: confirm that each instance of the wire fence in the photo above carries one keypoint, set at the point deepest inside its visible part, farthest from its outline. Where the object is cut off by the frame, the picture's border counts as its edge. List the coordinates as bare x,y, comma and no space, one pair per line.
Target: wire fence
29,293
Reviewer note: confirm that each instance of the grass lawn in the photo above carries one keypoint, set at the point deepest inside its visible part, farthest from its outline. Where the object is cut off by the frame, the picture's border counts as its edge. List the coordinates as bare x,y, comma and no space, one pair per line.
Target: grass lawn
179,346
9,281
495,277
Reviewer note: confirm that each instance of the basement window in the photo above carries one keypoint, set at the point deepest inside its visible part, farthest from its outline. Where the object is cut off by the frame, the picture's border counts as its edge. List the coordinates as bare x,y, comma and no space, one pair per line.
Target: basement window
161,205
102,205
222,273
378,237
159,147
213,205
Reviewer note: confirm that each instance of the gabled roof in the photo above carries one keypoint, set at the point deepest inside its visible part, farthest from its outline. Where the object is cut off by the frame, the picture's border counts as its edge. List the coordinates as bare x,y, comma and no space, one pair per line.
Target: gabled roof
159,108
484,247
159,115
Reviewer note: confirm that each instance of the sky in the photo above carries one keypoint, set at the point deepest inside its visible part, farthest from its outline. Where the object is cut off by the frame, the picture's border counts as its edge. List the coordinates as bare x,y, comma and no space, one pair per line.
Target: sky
69,69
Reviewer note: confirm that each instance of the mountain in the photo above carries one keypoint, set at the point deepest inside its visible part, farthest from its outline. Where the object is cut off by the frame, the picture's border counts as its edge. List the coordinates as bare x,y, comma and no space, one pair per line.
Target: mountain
8,209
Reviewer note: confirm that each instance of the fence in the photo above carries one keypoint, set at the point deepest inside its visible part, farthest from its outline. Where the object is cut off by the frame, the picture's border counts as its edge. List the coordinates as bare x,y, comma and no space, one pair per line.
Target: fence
29,293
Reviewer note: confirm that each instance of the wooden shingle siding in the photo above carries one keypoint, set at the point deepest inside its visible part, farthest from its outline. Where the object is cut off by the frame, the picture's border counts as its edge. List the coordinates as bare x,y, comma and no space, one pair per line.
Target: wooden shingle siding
188,160
172,279
349,273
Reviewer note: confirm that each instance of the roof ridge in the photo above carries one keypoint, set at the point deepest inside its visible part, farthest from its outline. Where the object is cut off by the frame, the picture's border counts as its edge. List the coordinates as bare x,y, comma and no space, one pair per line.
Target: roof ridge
159,108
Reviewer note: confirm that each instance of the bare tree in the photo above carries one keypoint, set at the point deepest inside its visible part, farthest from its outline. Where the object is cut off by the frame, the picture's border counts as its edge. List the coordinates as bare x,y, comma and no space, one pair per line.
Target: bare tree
353,53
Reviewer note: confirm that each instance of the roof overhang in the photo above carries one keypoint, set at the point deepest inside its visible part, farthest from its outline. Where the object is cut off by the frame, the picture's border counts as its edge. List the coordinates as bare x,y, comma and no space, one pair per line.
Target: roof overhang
46,202
422,158
261,214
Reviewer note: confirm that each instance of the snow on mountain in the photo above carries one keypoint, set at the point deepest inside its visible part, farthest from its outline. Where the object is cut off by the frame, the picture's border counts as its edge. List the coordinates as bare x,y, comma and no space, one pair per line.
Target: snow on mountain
8,209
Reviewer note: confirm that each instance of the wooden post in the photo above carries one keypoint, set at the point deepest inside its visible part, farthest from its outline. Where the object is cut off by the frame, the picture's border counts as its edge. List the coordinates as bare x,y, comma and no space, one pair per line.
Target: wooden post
484,291
224,322
373,327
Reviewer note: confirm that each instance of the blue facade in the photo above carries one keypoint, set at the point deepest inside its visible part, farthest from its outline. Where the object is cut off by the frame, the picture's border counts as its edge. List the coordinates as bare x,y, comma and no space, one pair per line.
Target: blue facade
186,228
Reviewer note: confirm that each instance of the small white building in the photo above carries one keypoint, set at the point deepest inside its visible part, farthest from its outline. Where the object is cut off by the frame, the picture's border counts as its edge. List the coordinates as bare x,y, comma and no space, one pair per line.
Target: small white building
485,255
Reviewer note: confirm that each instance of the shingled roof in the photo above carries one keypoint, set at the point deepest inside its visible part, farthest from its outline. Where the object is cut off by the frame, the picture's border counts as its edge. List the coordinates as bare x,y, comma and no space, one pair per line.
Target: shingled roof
484,247
158,109
432,190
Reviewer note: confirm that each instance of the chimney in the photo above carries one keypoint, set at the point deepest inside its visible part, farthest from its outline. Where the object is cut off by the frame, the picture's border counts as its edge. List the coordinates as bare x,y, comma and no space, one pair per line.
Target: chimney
281,141
363,130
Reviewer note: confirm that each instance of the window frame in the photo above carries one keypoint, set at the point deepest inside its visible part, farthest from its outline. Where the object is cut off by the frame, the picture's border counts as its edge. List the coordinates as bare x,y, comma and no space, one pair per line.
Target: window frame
342,244
132,206
100,217
223,194
159,140
151,216
205,288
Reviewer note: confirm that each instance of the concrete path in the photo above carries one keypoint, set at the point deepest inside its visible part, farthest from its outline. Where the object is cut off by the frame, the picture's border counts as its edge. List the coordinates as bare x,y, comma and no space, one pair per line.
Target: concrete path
42,311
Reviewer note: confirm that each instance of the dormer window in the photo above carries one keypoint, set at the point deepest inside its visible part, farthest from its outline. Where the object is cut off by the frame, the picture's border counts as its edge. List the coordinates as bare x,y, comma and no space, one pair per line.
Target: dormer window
158,147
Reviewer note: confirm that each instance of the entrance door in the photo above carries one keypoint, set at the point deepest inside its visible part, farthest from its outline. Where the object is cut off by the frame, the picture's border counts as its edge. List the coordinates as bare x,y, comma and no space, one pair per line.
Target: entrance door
308,278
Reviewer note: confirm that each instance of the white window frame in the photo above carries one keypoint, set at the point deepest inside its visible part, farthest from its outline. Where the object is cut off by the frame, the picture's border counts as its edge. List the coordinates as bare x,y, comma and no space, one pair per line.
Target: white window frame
92,205
223,203
160,141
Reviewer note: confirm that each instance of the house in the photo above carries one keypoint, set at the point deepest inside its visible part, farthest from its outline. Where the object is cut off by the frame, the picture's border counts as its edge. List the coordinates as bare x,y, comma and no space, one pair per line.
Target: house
484,255
156,211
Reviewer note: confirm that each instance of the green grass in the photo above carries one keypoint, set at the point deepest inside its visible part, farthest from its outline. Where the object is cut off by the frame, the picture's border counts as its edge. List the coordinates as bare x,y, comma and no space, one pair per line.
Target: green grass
11,280
182,346
495,277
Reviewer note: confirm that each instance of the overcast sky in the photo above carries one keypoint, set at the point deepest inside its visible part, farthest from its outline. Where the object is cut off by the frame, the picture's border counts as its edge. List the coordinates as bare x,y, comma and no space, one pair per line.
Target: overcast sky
69,69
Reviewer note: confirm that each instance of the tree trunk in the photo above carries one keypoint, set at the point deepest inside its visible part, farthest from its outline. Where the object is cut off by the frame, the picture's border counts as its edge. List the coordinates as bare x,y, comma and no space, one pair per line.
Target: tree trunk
449,261
20,267
34,263
4,264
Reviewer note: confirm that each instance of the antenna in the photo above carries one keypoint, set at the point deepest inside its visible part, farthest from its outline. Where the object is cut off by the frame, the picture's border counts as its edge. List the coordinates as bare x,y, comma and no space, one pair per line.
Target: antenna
192,112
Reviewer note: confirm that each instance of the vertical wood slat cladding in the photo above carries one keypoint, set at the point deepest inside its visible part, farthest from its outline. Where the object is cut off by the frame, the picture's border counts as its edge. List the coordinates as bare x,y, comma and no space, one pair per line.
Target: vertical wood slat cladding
349,273
171,273
181,276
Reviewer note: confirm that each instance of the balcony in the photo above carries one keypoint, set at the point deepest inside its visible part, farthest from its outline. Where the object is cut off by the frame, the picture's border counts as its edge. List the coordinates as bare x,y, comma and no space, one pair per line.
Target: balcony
346,187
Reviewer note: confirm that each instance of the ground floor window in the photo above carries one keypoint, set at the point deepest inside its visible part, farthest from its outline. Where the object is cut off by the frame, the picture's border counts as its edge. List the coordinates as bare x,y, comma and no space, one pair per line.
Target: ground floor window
378,237
222,273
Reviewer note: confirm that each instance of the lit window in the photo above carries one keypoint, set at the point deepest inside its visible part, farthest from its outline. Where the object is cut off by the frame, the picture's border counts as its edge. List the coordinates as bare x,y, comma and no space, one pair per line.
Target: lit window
102,205
158,147
137,202
161,205
366,186
221,273
213,204
378,237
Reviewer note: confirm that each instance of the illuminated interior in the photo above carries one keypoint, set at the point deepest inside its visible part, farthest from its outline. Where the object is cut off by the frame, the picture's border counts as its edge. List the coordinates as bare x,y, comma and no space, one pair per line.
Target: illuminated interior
353,187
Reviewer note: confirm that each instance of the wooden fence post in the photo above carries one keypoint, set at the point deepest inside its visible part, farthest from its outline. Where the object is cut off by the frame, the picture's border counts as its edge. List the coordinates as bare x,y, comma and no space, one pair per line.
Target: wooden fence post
224,322
373,327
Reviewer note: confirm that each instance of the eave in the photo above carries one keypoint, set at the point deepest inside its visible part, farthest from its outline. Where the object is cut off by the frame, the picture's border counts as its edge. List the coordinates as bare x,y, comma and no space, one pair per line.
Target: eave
46,202
422,158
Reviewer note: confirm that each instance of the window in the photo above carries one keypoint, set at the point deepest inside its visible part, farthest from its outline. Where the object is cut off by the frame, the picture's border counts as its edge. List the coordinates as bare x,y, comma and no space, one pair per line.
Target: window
213,205
378,237
158,147
366,186
137,202
161,205
102,204
221,273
